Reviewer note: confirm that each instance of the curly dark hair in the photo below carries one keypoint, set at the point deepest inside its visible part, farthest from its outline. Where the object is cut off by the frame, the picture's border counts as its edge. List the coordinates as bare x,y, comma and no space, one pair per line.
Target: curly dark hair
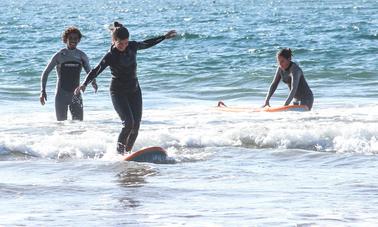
286,53
70,30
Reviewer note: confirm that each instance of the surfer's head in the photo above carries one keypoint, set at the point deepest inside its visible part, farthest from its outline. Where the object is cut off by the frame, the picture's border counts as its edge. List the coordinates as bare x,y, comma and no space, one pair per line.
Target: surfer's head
284,58
71,36
120,36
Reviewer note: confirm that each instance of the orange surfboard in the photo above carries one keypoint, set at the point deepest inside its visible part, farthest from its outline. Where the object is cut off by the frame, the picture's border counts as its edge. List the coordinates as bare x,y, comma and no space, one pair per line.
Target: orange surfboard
221,106
149,154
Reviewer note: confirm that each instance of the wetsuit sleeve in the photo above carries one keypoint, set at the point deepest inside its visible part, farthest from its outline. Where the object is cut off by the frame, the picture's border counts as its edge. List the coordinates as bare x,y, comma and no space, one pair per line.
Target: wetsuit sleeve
149,42
273,85
295,77
97,70
86,64
45,74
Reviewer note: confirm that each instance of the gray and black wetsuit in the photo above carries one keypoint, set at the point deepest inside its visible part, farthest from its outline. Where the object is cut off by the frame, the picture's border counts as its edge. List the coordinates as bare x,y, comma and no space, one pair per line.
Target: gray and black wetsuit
300,92
68,67
124,88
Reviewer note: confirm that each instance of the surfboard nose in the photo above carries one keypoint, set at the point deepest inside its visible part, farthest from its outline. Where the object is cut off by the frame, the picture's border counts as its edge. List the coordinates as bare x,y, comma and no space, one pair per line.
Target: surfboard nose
150,154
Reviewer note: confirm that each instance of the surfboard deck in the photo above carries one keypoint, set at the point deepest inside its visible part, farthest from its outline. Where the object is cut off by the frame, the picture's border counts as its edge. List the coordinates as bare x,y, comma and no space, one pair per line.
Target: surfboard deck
149,154
223,107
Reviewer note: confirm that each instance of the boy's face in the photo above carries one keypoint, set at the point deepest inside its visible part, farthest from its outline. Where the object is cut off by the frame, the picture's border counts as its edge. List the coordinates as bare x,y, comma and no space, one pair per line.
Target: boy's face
72,40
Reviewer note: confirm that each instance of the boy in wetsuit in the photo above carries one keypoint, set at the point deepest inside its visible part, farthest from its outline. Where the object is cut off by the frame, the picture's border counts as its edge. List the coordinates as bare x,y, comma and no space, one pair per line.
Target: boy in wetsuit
124,87
69,62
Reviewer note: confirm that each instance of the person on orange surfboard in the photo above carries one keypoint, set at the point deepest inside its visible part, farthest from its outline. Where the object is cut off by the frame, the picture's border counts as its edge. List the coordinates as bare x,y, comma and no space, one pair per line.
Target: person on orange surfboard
292,75
125,91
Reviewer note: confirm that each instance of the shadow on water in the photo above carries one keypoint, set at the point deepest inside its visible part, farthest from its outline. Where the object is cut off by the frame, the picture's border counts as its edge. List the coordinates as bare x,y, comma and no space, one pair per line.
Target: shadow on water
127,202
135,175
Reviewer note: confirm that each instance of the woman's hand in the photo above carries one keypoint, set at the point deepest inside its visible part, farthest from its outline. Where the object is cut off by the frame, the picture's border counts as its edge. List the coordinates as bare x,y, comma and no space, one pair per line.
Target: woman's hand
94,85
266,104
79,89
170,34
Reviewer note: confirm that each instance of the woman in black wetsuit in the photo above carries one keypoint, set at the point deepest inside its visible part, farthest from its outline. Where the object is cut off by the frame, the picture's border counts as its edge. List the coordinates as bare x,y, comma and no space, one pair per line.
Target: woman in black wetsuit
124,88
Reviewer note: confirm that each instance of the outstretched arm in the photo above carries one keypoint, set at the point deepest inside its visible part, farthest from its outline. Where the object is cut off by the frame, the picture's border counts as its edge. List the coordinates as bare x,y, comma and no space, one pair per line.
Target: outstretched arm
273,87
93,74
152,42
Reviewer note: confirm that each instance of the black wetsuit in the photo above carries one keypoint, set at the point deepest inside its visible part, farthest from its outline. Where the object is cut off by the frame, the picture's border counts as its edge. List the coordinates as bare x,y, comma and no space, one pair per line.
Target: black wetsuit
68,66
124,88
300,92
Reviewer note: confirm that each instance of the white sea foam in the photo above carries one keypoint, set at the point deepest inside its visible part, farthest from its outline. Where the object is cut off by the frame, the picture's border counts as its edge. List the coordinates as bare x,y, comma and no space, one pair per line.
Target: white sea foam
352,130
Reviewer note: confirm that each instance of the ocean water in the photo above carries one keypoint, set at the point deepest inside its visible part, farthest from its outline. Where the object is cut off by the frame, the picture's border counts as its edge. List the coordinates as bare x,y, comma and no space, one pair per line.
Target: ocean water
315,168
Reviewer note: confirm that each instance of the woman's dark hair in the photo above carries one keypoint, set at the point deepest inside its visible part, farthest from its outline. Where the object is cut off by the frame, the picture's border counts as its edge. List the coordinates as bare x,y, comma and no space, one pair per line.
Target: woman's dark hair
119,32
70,30
286,53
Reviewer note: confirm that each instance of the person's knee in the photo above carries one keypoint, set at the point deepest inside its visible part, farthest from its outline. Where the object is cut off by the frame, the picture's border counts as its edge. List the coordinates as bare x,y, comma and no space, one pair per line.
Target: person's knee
136,126
128,125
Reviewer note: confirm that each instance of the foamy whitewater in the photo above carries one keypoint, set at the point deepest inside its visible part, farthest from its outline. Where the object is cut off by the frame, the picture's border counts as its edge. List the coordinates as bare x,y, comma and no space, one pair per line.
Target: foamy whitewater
314,168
